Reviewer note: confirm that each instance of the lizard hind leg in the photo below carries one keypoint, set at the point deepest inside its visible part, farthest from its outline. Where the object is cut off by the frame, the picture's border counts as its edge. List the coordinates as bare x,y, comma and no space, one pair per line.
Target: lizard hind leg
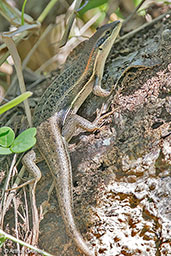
29,162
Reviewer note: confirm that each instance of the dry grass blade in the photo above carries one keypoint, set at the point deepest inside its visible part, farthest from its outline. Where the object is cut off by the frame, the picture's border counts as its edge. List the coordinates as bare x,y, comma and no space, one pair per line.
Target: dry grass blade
16,221
4,205
34,249
71,44
70,22
14,53
12,14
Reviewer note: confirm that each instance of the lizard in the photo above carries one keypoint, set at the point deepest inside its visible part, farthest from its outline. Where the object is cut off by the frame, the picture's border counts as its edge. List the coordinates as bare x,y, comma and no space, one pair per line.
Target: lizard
56,119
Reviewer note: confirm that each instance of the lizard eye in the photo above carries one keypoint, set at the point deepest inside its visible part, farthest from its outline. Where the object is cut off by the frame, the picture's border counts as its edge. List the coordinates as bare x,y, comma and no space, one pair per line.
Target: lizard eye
108,32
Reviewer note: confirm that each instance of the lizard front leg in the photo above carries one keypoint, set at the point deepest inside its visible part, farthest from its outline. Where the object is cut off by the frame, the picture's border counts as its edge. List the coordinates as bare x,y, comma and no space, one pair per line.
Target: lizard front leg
73,122
97,89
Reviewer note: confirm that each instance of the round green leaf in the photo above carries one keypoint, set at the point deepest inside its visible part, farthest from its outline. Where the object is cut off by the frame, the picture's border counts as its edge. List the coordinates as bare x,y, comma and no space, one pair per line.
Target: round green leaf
6,136
24,141
5,151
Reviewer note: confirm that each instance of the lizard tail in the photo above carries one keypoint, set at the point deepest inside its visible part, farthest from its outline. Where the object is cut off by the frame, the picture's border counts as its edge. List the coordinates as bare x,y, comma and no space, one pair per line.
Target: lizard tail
61,170
64,192
74,233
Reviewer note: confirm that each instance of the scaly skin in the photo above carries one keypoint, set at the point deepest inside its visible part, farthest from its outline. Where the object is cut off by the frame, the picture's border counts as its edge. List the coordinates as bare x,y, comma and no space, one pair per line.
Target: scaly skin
56,119
62,175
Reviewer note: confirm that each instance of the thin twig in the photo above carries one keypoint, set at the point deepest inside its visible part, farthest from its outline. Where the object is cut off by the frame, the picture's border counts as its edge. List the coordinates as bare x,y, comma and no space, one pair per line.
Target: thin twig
16,224
133,13
130,34
35,214
7,198
14,239
35,46
4,205
26,210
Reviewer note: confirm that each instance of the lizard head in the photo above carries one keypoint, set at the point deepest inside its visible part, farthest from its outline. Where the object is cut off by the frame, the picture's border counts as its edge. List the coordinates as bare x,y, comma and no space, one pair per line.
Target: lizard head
104,38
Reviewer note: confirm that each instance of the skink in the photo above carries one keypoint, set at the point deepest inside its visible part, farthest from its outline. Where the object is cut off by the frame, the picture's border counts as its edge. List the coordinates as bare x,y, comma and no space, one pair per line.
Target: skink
56,119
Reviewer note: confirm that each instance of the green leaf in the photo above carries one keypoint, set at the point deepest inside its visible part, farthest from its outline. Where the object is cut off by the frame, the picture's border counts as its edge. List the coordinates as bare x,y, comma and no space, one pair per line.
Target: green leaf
2,240
91,4
6,136
15,102
5,151
24,141
22,14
